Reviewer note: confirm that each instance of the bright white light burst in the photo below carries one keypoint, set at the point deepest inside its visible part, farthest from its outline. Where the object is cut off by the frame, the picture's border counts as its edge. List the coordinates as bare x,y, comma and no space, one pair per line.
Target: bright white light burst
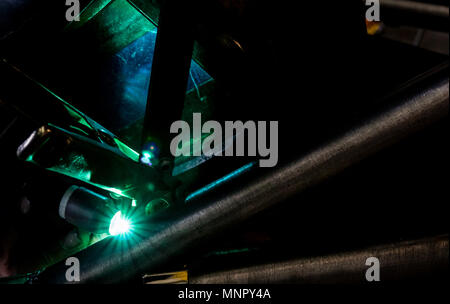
119,224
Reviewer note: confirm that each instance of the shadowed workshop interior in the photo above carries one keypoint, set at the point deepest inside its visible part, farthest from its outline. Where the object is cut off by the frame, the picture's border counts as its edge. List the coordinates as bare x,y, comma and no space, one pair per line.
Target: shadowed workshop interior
86,108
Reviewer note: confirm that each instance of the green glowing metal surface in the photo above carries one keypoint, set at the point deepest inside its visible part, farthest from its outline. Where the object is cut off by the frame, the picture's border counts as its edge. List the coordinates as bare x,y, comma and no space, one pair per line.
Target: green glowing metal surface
113,24
127,150
76,115
79,130
113,190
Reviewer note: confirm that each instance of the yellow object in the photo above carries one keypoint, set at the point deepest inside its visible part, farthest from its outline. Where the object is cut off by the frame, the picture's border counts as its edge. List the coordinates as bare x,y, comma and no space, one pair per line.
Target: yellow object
373,27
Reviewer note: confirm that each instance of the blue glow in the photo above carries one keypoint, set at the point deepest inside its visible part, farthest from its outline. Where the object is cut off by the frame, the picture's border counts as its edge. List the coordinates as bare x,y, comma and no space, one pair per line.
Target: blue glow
146,160
149,154
127,79
220,181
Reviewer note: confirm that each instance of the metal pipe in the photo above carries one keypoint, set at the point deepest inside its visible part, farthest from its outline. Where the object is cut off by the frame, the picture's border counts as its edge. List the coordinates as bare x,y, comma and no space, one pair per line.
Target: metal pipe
416,14
411,259
170,233
169,76
415,7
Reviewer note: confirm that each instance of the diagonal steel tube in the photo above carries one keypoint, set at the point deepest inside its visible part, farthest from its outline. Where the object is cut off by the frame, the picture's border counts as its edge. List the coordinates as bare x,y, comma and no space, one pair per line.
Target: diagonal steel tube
407,259
167,234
